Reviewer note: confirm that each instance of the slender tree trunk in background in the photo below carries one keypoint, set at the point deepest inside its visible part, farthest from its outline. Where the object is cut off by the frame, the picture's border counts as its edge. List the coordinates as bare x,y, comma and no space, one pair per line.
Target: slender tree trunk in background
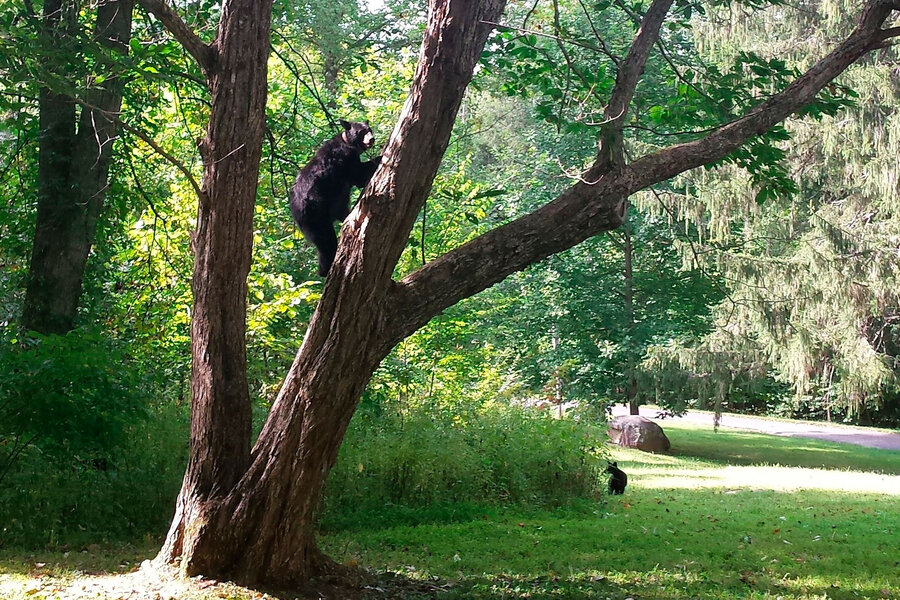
557,379
631,385
73,168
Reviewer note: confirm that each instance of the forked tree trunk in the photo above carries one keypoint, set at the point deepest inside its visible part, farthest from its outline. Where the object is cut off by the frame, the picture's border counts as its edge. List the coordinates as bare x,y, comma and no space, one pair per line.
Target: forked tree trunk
73,168
249,516
261,529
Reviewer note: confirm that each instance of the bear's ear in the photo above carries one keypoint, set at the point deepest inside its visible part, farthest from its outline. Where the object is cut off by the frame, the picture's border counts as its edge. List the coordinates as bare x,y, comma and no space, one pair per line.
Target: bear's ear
615,464
345,124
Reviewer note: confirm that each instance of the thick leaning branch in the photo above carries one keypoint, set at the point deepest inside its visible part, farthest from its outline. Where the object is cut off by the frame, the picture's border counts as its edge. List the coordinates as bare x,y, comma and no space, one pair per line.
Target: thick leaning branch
202,52
453,42
593,206
669,162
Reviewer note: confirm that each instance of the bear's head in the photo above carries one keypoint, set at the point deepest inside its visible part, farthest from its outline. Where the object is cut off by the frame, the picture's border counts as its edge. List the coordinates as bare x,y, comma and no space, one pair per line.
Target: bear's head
358,135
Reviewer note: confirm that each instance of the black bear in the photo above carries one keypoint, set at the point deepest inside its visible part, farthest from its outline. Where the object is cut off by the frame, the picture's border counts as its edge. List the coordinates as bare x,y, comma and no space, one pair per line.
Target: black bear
321,192
617,480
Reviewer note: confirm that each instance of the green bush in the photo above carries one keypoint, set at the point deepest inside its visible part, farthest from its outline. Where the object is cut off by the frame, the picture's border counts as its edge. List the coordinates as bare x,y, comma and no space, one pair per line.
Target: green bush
84,455
430,456
64,396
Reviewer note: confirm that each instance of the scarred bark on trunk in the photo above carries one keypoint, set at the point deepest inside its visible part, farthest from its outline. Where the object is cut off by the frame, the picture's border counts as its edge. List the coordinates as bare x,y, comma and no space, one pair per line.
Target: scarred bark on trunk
73,168
249,516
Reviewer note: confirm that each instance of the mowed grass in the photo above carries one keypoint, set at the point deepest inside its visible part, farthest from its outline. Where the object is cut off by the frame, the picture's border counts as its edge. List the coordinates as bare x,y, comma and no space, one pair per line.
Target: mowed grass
725,515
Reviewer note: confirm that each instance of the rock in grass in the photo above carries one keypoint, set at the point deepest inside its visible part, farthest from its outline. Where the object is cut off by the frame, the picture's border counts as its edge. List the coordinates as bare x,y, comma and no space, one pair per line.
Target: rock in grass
632,431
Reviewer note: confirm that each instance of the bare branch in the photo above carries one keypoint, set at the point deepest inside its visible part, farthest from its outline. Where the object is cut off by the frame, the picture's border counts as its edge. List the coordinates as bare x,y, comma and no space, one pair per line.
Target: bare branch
557,38
529,13
597,35
202,52
314,92
889,33
159,150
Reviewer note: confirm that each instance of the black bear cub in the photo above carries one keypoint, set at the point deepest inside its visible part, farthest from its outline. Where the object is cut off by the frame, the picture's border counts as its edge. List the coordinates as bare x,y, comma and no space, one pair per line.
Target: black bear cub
617,480
321,192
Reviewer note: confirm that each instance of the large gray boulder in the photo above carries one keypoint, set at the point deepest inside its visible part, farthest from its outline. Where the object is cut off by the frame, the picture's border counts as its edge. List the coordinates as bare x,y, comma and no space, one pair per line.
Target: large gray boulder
633,431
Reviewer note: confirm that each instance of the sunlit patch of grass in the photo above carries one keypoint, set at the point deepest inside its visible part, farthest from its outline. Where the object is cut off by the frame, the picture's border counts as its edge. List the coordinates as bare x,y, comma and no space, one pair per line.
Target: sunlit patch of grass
745,448
659,471
95,558
768,477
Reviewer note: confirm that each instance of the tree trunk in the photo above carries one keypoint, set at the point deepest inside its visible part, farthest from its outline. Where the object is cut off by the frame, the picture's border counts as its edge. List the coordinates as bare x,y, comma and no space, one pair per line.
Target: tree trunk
557,378
628,281
262,530
236,71
73,171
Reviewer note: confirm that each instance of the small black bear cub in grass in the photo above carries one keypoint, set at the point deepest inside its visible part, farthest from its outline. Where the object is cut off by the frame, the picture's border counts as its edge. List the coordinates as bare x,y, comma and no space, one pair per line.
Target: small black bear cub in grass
321,193
617,480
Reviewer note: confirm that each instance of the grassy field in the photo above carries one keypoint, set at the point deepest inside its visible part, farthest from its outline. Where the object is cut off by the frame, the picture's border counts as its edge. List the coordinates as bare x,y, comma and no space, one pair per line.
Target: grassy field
727,515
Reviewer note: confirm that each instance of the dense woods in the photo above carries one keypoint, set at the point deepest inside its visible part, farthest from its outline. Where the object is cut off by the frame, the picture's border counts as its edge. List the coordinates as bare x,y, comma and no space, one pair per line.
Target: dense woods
579,204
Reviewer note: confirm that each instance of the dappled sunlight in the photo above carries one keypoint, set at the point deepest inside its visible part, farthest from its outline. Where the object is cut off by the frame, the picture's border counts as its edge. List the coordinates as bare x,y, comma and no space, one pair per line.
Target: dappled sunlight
831,587
45,581
776,478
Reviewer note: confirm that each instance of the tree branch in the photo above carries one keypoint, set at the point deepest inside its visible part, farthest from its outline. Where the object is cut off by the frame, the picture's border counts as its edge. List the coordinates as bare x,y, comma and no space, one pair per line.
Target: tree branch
887,34
611,152
159,150
202,52
596,203
388,209
676,159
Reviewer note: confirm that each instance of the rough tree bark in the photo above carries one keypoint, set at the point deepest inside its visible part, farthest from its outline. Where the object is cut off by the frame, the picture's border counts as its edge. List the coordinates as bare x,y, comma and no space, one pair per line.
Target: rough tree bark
235,65
73,168
249,515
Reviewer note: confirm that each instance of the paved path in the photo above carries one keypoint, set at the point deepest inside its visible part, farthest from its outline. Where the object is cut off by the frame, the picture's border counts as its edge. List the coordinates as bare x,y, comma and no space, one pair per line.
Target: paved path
861,436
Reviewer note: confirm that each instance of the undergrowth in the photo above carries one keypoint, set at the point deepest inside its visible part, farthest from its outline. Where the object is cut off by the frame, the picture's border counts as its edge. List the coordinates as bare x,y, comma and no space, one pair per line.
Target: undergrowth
449,458
727,516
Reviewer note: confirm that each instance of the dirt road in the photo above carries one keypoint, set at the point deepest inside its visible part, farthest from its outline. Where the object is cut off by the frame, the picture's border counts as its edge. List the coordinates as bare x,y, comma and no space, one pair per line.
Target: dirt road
861,436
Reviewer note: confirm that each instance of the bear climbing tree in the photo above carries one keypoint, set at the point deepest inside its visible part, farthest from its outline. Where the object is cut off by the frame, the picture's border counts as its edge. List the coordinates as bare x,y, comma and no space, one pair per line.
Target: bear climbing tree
321,192
249,515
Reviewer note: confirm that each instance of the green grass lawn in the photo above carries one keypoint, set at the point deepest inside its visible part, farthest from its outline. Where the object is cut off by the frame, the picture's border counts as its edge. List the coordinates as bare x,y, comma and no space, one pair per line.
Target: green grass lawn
726,515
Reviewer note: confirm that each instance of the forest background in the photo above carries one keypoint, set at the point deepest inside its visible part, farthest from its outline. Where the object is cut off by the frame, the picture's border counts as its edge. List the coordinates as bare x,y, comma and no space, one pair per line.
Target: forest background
767,284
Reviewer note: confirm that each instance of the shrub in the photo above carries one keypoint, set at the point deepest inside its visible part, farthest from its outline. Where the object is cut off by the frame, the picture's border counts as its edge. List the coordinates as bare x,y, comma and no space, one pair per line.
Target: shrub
84,455
429,456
